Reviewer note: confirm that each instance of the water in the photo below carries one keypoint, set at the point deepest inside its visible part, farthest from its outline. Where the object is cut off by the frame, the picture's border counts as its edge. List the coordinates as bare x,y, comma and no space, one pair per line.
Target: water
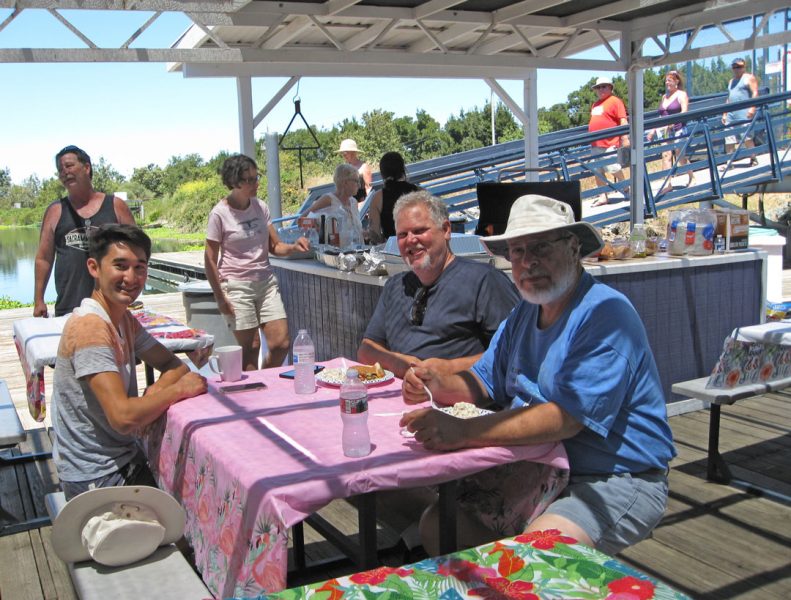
304,361
355,439
18,246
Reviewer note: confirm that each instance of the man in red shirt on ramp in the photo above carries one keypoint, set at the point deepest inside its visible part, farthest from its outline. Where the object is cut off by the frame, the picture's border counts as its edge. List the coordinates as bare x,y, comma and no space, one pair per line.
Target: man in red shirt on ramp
608,111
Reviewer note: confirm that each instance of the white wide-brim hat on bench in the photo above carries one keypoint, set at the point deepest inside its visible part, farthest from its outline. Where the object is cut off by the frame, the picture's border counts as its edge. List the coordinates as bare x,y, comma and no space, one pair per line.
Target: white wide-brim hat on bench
532,214
116,525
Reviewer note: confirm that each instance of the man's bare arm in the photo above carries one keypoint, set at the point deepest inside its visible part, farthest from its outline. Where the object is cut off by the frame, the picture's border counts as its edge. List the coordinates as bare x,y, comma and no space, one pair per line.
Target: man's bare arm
371,352
754,92
530,425
126,415
45,257
122,212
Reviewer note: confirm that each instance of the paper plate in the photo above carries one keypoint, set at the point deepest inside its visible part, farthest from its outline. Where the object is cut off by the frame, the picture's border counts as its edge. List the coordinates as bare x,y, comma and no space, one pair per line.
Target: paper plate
480,412
335,377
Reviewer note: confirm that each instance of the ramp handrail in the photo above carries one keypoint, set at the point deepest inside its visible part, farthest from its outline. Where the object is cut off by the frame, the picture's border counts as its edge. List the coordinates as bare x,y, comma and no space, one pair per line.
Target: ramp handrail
567,155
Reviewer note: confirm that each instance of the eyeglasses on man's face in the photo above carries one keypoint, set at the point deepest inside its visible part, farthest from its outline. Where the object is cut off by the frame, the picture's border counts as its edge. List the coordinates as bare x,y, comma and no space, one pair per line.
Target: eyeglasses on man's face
734,67
518,252
418,311
250,180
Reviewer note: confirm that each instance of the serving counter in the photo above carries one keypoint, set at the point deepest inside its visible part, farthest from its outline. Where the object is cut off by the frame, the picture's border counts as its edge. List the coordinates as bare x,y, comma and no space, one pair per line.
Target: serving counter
688,304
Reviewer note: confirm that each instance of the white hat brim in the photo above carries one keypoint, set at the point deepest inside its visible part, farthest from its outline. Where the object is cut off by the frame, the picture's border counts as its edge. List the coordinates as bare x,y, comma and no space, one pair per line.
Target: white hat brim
588,235
68,525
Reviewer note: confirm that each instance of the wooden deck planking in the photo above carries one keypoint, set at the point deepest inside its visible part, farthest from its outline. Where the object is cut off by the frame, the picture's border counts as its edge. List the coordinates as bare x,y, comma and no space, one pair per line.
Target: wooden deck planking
715,541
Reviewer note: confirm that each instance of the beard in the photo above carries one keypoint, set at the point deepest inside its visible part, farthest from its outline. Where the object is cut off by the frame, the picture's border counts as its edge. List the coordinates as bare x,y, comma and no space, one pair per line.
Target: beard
422,264
560,285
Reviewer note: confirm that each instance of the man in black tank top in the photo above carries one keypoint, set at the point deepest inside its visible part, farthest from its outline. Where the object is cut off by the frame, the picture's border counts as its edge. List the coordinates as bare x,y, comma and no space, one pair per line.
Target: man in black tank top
65,229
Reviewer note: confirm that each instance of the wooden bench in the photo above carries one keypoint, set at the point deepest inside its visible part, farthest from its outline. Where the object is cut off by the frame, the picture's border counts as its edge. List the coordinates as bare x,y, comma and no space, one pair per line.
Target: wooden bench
11,434
164,574
11,430
716,467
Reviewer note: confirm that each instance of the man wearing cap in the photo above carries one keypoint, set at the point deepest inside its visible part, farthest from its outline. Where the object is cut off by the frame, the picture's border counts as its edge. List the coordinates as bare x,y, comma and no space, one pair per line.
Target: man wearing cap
444,308
97,413
608,111
742,86
350,152
64,233
571,363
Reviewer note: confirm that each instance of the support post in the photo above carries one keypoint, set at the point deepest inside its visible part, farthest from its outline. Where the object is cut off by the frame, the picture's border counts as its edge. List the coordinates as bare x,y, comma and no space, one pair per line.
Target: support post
636,161
531,125
244,99
273,197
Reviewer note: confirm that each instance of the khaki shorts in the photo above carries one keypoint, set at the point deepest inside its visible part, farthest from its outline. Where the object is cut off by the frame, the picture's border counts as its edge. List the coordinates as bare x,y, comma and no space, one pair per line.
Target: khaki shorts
254,302
612,168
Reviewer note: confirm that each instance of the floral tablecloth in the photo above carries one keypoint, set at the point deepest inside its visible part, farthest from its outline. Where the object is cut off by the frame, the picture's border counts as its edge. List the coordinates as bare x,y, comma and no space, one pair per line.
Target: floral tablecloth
755,354
533,566
247,466
37,340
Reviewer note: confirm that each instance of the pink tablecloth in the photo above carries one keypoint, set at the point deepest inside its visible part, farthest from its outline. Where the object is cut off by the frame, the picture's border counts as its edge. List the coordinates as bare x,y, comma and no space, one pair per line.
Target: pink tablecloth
247,466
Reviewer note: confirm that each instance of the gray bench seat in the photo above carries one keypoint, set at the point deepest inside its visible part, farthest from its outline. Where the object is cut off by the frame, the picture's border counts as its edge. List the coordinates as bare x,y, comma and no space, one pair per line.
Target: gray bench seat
11,430
716,467
164,574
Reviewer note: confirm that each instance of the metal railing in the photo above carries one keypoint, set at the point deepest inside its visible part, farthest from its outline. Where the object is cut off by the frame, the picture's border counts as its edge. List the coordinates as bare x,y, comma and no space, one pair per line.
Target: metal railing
566,155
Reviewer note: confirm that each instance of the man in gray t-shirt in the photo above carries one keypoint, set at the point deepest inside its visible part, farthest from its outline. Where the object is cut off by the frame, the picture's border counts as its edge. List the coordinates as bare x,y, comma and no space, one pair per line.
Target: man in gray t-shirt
443,312
97,412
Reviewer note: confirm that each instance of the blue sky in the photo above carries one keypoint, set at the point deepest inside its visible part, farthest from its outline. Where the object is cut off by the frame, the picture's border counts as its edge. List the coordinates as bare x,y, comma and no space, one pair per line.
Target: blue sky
135,114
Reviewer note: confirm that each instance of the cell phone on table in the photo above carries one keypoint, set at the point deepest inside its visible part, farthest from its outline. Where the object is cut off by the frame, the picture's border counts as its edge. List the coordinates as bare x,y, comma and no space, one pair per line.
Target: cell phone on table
291,374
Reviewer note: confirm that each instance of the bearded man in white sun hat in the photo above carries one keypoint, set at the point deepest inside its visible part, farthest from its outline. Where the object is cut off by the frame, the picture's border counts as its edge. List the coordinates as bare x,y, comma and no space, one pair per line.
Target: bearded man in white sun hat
571,363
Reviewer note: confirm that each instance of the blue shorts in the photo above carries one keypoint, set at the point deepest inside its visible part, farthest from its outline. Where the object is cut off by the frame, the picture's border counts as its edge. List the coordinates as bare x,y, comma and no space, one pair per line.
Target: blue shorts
616,511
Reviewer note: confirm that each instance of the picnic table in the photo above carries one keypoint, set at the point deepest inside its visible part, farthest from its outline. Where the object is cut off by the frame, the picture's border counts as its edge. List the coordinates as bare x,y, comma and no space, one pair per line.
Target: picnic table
542,564
249,465
755,360
37,340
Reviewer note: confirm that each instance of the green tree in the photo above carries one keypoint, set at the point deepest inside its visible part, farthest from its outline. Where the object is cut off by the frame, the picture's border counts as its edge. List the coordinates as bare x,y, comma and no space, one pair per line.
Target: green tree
150,178
105,177
5,181
189,206
180,170
379,135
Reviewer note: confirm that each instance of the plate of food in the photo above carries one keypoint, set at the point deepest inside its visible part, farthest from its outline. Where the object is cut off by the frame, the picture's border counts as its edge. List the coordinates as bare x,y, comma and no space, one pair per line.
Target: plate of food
369,374
465,410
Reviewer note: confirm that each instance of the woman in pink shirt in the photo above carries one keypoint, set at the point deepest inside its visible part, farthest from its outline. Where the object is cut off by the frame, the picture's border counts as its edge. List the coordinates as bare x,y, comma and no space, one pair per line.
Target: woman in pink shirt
239,238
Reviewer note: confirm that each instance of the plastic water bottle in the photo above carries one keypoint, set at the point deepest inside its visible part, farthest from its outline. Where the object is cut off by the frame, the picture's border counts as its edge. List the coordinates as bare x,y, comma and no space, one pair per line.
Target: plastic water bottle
637,240
354,413
313,238
304,363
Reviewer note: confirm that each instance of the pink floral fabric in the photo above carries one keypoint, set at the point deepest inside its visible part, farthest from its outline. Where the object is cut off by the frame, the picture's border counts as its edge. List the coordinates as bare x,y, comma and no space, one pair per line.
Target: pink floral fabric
249,465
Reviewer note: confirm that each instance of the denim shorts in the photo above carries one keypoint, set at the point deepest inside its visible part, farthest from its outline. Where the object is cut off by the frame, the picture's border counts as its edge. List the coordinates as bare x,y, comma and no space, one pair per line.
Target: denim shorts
616,511
254,303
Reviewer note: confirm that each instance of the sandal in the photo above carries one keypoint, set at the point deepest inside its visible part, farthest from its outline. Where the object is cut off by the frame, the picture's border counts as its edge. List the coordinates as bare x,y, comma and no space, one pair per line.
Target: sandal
603,201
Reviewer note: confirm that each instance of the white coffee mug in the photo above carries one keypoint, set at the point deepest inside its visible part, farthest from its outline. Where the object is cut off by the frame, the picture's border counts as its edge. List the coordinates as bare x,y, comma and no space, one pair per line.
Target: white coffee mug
227,362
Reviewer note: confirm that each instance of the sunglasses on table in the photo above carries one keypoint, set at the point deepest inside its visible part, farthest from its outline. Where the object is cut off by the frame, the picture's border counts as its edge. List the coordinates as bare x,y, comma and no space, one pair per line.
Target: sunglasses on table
418,311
